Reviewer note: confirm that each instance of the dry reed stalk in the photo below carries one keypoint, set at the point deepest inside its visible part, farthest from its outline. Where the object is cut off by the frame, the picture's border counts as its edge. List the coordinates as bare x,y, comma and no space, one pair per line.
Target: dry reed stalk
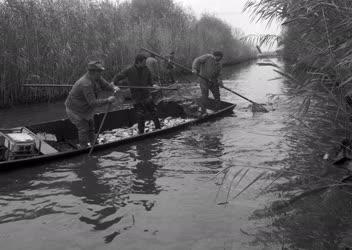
55,39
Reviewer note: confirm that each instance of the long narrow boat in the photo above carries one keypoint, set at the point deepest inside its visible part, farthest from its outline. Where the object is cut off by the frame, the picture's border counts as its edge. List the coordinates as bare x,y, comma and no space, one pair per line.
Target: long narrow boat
66,134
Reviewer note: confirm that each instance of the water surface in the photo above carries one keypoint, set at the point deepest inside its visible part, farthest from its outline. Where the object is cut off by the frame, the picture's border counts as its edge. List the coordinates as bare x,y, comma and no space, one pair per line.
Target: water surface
164,193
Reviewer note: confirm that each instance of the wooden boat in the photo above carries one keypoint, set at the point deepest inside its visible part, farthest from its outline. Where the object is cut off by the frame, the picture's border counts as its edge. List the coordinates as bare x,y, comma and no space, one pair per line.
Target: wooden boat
66,133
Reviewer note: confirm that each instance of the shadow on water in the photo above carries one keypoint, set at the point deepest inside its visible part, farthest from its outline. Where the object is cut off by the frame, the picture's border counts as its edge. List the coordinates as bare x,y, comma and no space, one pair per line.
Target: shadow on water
209,149
102,185
93,190
145,170
112,192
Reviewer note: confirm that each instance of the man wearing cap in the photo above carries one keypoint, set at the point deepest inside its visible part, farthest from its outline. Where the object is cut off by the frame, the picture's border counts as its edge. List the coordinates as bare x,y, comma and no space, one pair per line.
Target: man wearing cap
209,66
139,75
83,99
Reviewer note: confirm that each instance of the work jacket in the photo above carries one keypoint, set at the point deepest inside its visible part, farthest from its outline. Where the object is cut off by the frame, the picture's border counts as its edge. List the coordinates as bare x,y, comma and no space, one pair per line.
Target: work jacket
207,66
136,77
83,97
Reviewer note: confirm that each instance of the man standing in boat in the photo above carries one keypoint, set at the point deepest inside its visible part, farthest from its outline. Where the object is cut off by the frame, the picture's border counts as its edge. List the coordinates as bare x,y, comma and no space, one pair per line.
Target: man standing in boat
209,66
83,99
139,75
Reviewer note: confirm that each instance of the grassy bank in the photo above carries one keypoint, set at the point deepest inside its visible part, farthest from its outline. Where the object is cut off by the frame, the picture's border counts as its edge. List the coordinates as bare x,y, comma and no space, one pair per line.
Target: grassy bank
51,41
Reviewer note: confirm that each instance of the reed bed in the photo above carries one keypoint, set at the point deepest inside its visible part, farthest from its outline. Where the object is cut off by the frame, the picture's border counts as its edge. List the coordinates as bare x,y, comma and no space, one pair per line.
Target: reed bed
317,43
50,41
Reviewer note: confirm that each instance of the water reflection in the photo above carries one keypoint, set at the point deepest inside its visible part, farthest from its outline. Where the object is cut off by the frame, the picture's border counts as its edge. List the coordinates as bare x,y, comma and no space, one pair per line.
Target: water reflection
88,186
318,221
310,212
207,147
144,171
27,195
104,185
102,199
159,186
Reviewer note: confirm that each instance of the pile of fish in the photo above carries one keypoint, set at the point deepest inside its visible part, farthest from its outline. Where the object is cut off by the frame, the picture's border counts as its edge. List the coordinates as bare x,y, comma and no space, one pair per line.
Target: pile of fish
122,133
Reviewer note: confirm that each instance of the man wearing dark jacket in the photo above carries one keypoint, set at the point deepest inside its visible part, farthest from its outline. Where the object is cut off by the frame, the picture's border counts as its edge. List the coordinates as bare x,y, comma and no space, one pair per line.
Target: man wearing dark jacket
139,75
209,66
83,99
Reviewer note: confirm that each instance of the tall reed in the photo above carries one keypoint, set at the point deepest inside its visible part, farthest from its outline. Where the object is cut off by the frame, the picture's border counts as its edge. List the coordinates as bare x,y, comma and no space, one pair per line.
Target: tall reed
317,39
50,41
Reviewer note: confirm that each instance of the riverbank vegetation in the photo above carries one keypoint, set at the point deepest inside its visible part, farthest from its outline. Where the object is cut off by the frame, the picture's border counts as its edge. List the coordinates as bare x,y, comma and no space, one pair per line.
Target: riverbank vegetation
317,41
317,47
51,41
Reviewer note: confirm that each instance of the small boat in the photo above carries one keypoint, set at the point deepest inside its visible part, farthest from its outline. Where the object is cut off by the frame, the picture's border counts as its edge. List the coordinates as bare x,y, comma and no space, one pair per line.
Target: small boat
55,140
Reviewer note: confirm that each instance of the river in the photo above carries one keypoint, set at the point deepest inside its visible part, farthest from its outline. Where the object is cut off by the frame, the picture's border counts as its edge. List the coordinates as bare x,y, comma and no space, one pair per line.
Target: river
169,193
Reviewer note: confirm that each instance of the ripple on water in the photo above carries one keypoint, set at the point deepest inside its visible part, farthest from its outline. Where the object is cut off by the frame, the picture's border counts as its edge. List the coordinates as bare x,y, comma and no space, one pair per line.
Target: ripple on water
171,192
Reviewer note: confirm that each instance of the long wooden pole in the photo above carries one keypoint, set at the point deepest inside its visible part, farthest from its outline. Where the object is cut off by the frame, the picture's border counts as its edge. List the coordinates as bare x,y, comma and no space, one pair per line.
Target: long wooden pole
258,106
120,86
48,85
99,130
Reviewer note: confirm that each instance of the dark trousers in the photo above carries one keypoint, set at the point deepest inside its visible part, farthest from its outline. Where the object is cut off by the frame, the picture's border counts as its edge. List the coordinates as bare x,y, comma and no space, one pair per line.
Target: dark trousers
142,109
215,90
86,129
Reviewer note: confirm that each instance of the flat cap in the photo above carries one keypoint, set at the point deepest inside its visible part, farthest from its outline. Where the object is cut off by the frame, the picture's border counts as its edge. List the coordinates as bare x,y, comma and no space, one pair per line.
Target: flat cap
95,65
218,53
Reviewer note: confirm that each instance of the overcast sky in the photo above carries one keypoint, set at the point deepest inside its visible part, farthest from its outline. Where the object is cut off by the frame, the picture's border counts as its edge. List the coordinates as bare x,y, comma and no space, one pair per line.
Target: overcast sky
231,12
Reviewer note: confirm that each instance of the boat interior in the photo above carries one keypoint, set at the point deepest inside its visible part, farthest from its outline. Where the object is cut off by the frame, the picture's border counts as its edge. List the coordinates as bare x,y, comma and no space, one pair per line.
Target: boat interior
61,135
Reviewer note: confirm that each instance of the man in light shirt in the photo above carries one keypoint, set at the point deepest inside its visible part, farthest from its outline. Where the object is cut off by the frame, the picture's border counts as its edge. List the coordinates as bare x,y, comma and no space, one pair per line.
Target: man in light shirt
209,67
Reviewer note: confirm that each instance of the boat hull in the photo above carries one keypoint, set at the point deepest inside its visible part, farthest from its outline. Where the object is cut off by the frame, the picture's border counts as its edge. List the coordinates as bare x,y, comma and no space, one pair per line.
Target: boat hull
64,130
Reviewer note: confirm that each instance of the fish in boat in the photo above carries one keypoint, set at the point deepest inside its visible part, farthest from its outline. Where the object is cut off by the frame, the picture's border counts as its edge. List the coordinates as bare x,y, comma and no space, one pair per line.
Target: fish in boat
56,140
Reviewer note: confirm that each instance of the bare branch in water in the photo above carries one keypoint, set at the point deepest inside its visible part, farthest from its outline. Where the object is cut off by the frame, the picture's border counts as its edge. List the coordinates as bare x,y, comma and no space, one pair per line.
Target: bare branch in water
250,184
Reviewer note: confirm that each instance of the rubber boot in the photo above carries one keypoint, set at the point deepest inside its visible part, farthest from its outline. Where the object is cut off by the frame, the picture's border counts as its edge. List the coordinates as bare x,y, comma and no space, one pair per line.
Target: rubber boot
141,127
156,123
